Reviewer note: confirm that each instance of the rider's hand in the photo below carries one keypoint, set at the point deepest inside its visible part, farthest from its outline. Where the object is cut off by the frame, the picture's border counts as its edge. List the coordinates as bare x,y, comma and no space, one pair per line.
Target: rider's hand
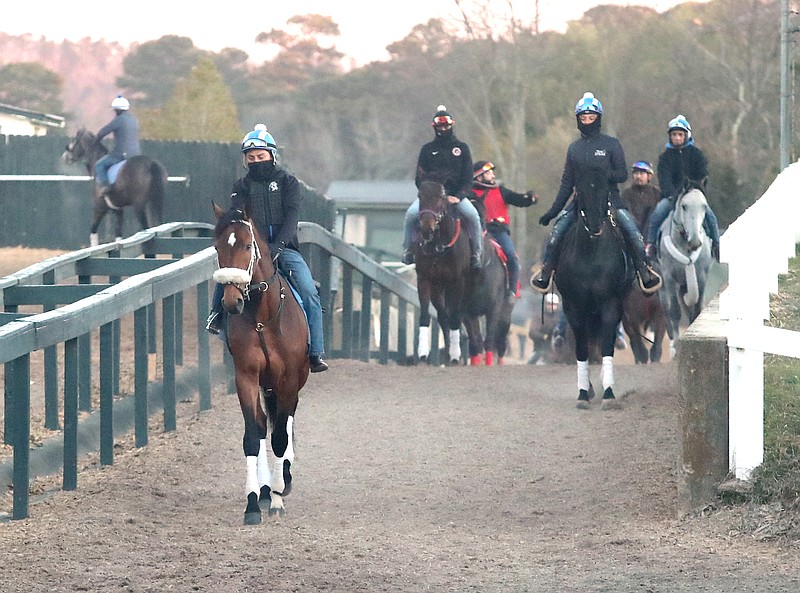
545,220
453,199
276,249
532,196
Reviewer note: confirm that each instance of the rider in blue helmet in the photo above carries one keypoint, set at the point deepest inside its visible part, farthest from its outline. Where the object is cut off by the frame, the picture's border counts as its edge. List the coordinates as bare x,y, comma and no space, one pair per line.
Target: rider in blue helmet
591,152
125,129
680,164
641,196
271,197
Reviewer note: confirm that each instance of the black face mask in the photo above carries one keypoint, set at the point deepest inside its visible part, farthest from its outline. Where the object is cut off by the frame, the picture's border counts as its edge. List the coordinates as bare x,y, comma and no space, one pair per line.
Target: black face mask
589,129
261,170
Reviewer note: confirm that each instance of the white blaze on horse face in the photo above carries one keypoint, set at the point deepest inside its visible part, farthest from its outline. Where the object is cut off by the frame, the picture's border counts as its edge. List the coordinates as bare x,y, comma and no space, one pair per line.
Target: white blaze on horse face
424,345
232,239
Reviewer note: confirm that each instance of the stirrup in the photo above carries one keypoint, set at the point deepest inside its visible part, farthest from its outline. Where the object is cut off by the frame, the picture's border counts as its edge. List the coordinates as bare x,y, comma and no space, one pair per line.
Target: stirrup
538,282
655,287
213,323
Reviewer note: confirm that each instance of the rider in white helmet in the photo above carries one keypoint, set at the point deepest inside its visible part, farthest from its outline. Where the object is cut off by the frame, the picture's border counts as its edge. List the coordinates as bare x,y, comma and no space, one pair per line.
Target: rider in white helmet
125,129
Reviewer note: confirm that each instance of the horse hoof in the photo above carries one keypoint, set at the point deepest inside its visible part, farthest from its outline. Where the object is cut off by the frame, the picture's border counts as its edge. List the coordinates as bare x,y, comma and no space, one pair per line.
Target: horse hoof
609,401
279,511
423,359
583,400
253,518
264,494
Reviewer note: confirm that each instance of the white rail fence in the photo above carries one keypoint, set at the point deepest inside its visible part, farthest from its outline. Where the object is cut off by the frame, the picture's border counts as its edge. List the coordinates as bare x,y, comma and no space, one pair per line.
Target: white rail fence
184,180
757,248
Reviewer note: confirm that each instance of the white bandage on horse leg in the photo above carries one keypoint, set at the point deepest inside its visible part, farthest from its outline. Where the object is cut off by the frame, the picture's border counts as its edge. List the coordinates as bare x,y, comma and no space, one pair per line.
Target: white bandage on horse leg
263,466
289,454
94,240
251,485
608,372
424,345
455,344
583,375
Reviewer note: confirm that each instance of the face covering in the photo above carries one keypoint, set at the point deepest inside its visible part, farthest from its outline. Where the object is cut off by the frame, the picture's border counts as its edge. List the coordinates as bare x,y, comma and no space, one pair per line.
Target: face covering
261,169
589,129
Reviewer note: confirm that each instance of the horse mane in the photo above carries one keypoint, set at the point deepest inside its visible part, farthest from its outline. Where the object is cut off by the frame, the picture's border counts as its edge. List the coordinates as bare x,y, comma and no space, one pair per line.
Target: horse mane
233,214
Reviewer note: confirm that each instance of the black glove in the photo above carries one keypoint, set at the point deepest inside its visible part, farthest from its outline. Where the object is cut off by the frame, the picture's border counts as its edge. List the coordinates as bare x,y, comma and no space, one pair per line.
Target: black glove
531,195
545,220
276,249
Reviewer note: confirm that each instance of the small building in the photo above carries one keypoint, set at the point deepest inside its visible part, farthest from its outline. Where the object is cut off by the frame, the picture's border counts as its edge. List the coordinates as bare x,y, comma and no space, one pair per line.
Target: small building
17,121
370,214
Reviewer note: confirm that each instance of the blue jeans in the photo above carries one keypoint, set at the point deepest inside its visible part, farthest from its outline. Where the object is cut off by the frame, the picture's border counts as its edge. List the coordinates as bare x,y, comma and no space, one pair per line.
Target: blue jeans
504,240
101,168
468,213
662,210
291,261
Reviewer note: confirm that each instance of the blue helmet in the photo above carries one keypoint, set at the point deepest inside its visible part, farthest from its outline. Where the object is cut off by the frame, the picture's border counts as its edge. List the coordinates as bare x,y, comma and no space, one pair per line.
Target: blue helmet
259,138
589,104
642,166
679,122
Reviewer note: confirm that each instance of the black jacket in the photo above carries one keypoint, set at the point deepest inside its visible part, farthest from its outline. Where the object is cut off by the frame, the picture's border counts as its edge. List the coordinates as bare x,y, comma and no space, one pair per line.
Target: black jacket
285,230
597,151
675,165
450,158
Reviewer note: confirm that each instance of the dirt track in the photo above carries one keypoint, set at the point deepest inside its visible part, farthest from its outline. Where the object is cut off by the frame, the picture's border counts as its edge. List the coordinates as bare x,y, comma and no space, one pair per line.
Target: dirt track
406,479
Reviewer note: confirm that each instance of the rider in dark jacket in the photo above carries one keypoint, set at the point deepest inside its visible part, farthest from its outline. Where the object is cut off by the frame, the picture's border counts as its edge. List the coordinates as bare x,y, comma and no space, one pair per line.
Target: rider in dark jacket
592,151
272,198
681,162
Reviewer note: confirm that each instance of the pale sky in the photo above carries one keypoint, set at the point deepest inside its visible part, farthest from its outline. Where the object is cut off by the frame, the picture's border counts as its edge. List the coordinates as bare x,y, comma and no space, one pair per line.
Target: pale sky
366,27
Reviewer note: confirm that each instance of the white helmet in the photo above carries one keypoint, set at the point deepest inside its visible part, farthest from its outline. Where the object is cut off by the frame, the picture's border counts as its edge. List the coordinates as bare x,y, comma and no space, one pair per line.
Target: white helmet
120,103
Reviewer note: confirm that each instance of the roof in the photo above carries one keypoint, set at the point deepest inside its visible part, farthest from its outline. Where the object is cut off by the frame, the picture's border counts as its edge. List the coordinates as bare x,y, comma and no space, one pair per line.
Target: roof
46,119
376,194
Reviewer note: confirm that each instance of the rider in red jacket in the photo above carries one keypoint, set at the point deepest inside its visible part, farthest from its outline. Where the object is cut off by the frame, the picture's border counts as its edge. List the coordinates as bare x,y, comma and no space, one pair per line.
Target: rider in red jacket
494,199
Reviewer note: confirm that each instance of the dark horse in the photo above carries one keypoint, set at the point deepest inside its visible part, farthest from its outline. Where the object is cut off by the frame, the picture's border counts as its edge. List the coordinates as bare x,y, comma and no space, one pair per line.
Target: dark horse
141,184
442,260
267,337
593,277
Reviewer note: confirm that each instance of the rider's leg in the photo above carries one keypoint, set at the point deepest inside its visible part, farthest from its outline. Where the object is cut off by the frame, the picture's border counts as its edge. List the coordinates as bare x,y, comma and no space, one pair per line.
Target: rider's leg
473,220
412,216
214,321
292,261
544,280
711,227
560,330
657,218
101,168
503,238
649,280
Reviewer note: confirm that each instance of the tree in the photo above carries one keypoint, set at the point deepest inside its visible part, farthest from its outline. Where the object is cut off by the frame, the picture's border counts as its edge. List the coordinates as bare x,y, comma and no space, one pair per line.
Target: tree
31,86
200,109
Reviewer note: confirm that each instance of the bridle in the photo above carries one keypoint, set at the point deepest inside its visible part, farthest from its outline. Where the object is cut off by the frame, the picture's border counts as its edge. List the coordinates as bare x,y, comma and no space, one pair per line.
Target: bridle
584,221
437,219
241,279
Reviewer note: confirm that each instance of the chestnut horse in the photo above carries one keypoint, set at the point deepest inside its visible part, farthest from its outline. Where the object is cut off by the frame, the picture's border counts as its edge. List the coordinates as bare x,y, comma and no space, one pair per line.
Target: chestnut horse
267,336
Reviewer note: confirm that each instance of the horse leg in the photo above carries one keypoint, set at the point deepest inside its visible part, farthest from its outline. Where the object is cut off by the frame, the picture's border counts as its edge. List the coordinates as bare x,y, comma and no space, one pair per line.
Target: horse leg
280,452
141,214
98,212
255,431
582,358
659,329
452,323
424,340
119,220
473,326
635,339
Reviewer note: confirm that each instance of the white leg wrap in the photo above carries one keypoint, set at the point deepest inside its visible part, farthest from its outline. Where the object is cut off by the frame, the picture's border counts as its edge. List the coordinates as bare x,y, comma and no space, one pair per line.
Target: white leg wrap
608,372
263,466
672,351
455,344
252,475
290,447
424,346
94,240
583,374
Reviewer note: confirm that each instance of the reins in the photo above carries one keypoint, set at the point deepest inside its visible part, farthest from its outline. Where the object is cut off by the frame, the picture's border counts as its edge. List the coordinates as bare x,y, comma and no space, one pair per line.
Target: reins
439,248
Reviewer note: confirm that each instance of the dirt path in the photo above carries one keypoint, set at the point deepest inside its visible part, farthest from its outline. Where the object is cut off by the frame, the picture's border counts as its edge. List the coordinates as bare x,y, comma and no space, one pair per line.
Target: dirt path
406,480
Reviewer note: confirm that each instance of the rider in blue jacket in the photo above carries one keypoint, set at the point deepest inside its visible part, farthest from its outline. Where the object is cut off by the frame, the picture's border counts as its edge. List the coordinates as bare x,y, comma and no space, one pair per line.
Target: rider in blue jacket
272,198
681,162
125,129
592,151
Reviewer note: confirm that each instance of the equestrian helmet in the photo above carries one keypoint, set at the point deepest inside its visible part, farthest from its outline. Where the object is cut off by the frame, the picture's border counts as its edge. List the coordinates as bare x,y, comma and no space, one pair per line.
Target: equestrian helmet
642,166
480,167
679,122
259,138
589,104
120,103
442,117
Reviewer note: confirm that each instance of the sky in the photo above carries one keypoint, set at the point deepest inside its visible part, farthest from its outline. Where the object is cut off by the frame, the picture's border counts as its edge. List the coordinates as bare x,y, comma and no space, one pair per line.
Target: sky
366,27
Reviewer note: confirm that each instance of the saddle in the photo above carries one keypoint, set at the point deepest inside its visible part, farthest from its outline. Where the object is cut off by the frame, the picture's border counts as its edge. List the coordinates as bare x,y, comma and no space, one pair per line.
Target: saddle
114,170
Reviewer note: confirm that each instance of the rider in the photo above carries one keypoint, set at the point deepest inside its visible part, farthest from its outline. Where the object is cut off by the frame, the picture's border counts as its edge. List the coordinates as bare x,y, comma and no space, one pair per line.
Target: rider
125,129
680,162
272,198
641,196
450,158
592,151
495,199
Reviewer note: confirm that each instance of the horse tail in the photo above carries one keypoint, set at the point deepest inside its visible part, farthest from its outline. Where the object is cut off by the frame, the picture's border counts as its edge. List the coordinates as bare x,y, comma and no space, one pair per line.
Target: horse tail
158,186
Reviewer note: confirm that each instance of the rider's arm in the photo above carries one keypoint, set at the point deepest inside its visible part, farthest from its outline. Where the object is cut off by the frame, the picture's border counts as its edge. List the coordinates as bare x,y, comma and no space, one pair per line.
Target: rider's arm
292,198
515,199
619,168
107,129
465,174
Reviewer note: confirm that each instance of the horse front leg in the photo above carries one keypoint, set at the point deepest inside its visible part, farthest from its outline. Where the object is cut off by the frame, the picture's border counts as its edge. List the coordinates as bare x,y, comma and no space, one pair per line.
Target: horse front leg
609,320
474,339
98,213
452,325
424,339
118,220
255,431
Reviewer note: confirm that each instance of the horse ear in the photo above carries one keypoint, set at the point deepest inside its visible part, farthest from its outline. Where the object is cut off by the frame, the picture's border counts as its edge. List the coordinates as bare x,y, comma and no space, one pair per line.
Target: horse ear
218,212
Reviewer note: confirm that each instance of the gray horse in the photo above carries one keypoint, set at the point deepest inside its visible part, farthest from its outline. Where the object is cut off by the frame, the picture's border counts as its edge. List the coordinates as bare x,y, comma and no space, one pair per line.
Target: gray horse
684,258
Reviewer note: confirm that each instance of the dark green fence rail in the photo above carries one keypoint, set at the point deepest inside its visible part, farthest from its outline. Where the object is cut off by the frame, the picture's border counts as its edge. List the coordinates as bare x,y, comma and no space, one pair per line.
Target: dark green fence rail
156,268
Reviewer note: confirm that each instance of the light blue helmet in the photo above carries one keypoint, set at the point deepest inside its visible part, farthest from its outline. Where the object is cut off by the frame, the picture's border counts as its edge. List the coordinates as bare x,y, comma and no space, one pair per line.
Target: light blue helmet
679,122
259,138
589,104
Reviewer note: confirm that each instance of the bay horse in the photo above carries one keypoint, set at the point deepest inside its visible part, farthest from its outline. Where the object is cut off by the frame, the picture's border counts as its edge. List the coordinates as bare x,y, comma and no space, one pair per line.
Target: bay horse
141,184
593,276
642,314
267,336
442,254
684,258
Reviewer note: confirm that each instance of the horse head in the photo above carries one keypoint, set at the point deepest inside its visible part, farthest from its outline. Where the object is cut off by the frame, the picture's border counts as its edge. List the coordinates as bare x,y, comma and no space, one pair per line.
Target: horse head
84,147
688,216
591,197
244,260
432,207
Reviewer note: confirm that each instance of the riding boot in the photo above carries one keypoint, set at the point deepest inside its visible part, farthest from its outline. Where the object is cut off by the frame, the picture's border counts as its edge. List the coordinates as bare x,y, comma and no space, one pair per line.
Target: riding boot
215,318
649,280
408,257
711,227
317,364
543,281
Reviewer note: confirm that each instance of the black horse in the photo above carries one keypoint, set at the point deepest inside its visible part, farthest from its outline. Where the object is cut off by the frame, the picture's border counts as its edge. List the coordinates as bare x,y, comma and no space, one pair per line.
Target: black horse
141,184
593,276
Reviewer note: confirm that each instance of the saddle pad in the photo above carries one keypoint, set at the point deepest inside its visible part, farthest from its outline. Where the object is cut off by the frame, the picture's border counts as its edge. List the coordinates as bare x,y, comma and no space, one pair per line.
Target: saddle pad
113,171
